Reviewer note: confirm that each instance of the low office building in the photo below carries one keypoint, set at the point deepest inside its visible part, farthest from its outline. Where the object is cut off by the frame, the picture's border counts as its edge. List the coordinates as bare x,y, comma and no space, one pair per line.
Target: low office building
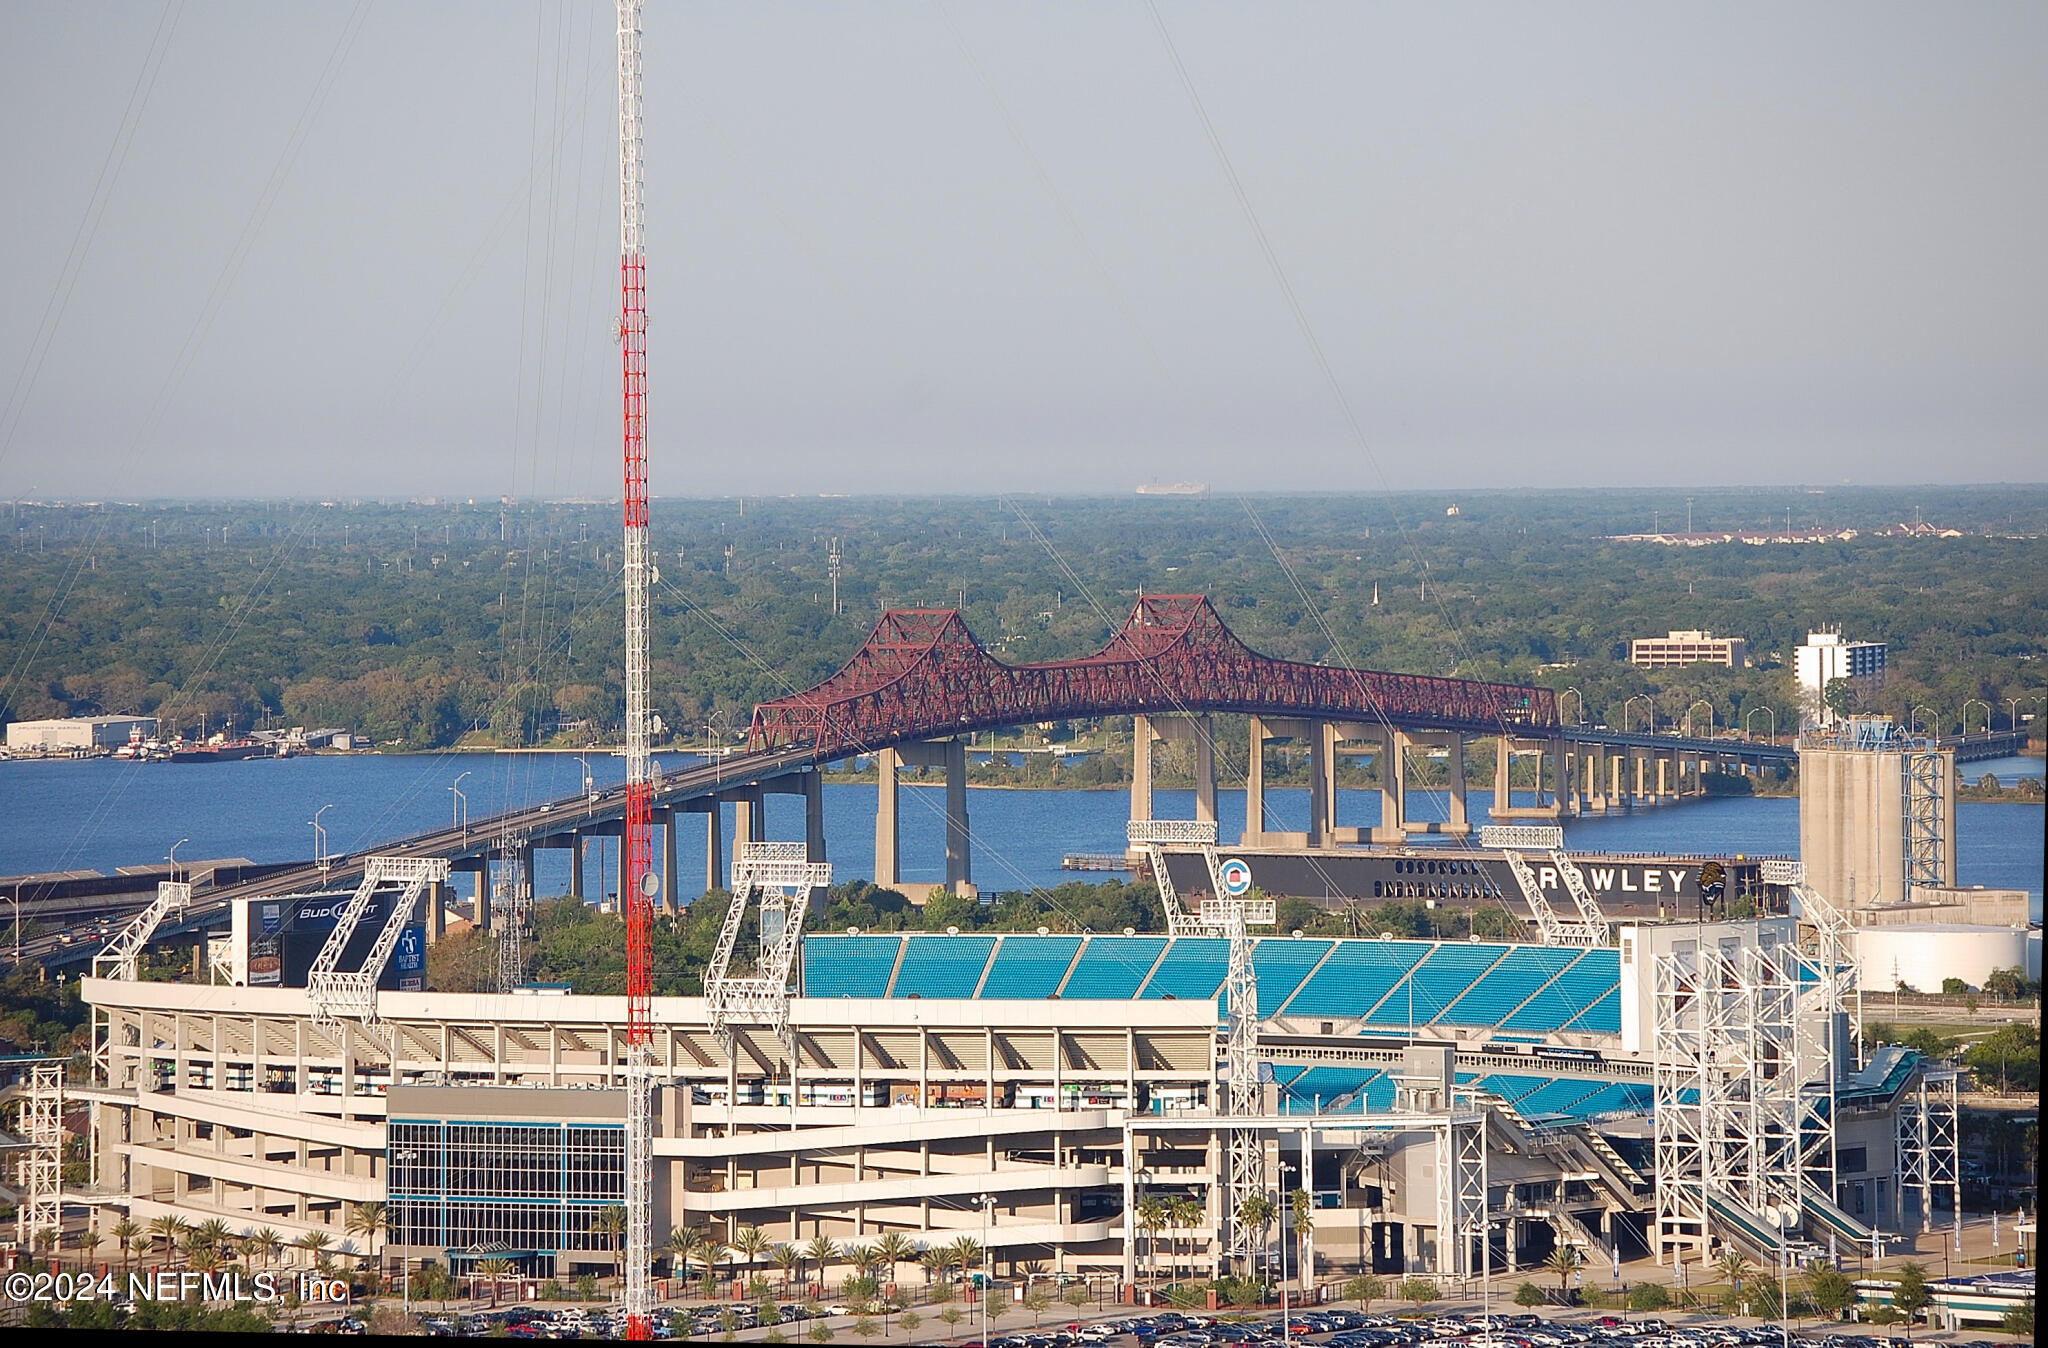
1688,648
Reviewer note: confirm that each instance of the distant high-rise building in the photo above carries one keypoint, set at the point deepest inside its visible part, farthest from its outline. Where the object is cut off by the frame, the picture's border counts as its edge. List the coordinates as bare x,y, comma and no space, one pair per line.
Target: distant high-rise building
1688,648
1826,657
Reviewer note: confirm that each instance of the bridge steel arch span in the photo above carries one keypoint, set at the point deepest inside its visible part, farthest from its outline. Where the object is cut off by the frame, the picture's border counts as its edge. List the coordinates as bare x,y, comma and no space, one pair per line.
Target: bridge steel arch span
922,674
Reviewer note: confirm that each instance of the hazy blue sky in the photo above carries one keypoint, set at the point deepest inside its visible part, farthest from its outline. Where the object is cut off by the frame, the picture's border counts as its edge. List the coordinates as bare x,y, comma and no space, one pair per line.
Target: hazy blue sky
971,247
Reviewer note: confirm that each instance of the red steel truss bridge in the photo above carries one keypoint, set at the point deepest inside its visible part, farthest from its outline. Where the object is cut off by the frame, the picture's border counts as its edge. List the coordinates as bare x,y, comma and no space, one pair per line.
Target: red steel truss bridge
922,674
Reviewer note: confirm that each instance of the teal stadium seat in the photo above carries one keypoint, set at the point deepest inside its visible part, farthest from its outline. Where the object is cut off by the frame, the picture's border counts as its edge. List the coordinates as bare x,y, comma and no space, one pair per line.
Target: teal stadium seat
1030,966
1355,976
942,966
849,966
1571,994
1193,970
1113,967
1508,984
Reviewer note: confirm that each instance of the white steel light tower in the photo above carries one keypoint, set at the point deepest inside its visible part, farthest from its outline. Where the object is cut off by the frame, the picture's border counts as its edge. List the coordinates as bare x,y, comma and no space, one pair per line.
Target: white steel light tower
637,891
1228,916
1512,839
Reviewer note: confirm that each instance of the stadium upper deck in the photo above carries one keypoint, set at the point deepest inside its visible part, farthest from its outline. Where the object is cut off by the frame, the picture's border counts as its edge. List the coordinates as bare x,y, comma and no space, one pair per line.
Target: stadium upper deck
1342,985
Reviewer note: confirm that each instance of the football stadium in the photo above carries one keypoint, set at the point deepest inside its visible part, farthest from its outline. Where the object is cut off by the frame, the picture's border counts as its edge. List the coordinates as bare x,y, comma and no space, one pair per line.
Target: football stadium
1451,1107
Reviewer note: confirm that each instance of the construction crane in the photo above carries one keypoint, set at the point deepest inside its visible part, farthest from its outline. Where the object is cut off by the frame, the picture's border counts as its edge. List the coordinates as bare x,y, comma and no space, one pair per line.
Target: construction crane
1589,928
1225,912
640,884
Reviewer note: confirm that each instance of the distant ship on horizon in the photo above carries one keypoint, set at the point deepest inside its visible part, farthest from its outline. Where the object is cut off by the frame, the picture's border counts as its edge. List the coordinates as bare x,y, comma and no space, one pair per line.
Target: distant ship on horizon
1173,489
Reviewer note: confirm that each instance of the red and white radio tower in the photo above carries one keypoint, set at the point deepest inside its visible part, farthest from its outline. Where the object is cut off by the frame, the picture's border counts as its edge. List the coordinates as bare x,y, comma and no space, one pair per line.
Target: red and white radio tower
640,882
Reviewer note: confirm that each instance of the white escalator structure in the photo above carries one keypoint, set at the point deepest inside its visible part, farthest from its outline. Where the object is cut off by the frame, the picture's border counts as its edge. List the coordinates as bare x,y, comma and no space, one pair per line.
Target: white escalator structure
350,995
1589,927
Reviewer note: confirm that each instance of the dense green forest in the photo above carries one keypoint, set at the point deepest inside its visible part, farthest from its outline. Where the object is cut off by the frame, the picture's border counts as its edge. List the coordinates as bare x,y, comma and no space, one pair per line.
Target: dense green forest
421,623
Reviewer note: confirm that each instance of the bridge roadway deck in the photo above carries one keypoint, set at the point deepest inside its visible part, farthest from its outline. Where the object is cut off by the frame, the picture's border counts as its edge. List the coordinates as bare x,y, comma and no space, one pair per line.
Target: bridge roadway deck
575,813
481,837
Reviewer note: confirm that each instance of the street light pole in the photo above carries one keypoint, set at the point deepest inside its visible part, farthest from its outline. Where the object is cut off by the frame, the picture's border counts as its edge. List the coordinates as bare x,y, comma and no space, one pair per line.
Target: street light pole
1286,1327
405,1264
173,857
988,1205
320,838
461,810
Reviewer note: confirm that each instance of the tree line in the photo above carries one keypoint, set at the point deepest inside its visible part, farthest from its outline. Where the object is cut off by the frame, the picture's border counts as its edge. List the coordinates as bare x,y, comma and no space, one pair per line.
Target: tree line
424,624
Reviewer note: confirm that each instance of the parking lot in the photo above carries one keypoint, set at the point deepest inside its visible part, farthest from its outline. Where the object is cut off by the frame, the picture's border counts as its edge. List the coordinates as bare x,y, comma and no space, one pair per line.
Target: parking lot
1321,1327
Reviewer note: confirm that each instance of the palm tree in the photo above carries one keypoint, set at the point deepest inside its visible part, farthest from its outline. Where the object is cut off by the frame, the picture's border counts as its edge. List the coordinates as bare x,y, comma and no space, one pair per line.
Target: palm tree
1187,1212
750,1243
1152,1216
787,1259
497,1270
967,1254
680,1238
215,1233
167,1229
366,1220
895,1248
708,1250
125,1232
1304,1223
248,1246
1564,1261
821,1251
1733,1267
141,1243
1257,1212
272,1243
611,1224
315,1244
936,1261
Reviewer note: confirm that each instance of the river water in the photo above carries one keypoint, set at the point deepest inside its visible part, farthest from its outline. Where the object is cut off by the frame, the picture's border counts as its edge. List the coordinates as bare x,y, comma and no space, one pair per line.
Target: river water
99,814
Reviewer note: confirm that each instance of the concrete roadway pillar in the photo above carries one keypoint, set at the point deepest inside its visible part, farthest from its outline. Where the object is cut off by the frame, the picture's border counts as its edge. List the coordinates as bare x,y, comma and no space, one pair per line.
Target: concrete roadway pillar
715,876
668,862
526,871
1503,758
437,910
1141,768
576,866
1205,769
888,851
1255,788
483,891
749,817
1662,788
1322,782
1560,779
1393,826
959,852
814,816
1636,757
1461,823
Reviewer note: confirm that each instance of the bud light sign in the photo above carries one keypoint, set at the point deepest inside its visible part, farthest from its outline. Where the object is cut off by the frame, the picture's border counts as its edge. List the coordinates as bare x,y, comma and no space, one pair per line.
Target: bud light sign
286,934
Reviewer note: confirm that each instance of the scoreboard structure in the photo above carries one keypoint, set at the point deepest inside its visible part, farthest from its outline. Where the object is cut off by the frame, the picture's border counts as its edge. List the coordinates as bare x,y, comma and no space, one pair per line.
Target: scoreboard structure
274,941
1635,886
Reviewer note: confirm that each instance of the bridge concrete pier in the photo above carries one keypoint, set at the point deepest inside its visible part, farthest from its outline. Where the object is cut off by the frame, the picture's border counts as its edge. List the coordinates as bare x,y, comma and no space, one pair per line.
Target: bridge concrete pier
1551,749
1393,803
667,819
437,910
1197,730
1256,834
949,754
